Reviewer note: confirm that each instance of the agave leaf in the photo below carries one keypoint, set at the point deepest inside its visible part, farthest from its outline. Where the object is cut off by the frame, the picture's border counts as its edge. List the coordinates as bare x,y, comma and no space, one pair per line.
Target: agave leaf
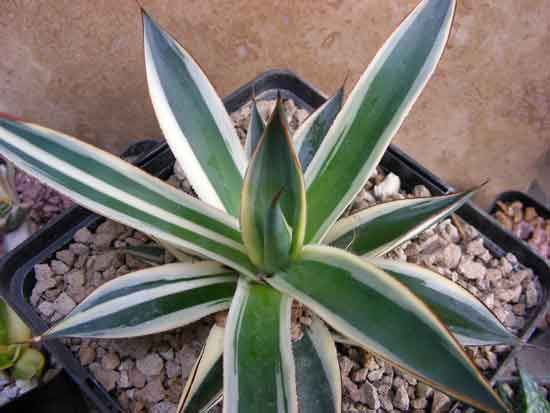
379,229
204,387
255,130
317,371
30,364
117,190
12,328
149,253
533,400
373,113
258,366
468,318
311,133
9,355
273,167
193,120
150,301
366,304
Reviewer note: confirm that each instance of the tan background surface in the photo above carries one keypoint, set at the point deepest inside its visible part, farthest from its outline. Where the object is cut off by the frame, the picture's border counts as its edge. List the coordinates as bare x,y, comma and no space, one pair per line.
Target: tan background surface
77,66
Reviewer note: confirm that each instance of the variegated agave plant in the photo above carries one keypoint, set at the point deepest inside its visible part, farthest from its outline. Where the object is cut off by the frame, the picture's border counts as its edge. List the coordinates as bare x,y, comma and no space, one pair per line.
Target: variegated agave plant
267,226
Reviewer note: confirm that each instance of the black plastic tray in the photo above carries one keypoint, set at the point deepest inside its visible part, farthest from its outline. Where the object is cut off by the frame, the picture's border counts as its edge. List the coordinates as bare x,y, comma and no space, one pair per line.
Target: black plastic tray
59,395
17,273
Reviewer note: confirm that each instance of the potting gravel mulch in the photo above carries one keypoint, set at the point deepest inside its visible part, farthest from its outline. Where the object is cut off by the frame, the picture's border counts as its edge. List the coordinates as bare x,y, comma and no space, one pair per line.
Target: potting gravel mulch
147,374
526,224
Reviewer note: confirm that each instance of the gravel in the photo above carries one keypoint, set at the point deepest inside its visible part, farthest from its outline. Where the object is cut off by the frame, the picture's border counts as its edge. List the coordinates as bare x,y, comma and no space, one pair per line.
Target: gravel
526,224
147,374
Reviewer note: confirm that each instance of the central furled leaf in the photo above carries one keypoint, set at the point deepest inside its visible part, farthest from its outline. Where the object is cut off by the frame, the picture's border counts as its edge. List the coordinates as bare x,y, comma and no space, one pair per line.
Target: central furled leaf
273,204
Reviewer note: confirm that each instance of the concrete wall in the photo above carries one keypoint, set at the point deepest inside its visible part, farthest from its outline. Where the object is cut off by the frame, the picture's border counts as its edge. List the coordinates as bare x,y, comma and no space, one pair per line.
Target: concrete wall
77,66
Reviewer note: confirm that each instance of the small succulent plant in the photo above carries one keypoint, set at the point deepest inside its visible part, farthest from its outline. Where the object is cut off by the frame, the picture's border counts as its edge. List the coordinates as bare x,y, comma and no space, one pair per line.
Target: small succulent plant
14,227
267,227
16,356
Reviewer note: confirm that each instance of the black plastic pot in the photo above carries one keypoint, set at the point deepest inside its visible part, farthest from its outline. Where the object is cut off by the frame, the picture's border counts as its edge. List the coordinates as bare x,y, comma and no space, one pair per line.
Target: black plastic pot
60,395
17,276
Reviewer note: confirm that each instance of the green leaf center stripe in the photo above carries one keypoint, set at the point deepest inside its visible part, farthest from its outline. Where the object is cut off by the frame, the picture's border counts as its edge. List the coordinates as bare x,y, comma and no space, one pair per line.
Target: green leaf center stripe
194,120
163,275
373,113
149,312
317,371
128,214
123,180
258,362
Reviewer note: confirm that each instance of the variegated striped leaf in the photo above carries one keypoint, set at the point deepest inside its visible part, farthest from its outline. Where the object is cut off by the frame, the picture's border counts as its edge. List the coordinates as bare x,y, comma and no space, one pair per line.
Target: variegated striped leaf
467,317
368,305
193,120
317,371
373,113
311,133
379,229
273,170
204,387
255,130
277,237
258,366
150,301
117,190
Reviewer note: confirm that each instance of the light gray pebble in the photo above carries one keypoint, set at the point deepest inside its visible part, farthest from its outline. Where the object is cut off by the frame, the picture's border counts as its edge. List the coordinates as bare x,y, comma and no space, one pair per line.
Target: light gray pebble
79,249
173,369
401,399
43,272
150,365
83,236
164,407
110,361
59,267
66,256
64,304
370,396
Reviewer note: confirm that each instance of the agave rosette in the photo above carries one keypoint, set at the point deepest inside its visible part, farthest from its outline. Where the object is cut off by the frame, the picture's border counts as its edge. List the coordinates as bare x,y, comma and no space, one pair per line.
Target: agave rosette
266,222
